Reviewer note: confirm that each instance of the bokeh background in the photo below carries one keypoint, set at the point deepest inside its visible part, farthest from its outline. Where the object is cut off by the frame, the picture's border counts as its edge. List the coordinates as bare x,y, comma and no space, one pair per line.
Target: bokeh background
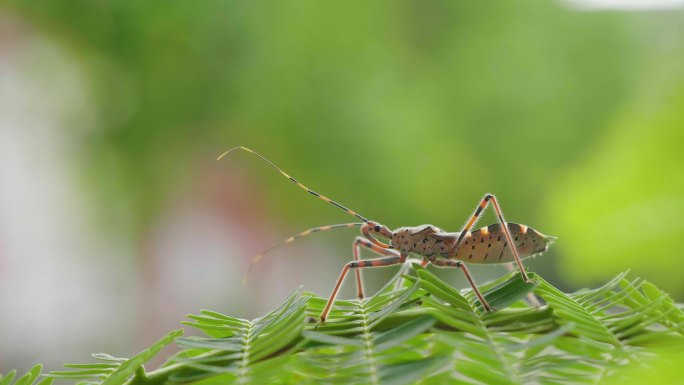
116,220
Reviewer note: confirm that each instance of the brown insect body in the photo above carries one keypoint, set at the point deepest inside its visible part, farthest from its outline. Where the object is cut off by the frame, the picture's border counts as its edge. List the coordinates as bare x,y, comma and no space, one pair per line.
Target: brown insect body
487,245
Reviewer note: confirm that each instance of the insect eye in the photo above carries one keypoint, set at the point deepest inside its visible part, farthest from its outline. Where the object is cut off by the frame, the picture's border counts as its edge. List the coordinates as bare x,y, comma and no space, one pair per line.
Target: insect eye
377,228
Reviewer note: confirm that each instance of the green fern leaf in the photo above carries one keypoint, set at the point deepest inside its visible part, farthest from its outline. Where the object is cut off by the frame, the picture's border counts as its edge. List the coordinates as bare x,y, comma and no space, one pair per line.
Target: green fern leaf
236,348
417,329
115,371
30,378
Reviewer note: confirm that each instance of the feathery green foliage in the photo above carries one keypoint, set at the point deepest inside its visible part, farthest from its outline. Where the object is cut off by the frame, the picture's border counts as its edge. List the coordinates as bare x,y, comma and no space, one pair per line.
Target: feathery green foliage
417,329
30,378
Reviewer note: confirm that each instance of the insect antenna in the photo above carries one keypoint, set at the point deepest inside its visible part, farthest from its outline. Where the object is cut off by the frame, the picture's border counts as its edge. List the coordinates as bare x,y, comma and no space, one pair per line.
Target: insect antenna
295,181
258,257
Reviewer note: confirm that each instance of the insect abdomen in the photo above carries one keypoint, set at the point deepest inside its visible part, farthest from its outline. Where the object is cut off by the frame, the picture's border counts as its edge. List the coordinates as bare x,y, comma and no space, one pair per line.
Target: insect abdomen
489,244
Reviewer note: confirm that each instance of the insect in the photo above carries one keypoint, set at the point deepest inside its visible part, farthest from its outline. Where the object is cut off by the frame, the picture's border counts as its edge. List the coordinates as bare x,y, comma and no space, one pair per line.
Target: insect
497,243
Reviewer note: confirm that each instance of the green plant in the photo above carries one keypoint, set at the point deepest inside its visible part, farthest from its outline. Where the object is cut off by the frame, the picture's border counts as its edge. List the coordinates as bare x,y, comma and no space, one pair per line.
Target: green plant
424,332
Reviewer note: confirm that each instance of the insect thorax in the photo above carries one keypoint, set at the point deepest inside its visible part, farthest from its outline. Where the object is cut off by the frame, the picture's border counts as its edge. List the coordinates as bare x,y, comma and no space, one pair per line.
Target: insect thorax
426,240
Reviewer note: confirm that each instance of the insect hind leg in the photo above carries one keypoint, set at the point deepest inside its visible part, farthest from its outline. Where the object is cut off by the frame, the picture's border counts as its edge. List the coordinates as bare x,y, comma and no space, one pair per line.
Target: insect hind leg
474,218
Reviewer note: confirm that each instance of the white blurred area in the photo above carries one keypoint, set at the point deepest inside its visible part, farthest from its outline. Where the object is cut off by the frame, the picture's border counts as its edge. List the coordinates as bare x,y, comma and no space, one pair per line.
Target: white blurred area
625,5
67,289
59,284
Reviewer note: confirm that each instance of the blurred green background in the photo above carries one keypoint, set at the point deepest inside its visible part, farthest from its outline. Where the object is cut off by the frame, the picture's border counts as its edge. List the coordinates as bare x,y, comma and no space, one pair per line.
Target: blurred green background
405,111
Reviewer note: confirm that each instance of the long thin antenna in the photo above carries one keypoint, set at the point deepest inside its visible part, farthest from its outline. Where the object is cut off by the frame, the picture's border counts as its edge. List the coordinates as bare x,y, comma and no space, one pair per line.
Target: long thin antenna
258,257
295,181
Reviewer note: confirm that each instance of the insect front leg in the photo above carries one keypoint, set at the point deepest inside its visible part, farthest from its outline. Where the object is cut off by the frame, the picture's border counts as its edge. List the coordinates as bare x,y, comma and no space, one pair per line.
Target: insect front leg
462,266
393,259
363,242
473,219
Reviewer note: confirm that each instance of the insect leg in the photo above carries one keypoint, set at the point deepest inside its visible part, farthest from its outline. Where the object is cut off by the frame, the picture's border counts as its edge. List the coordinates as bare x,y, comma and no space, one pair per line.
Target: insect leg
387,261
363,242
258,257
462,266
473,219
